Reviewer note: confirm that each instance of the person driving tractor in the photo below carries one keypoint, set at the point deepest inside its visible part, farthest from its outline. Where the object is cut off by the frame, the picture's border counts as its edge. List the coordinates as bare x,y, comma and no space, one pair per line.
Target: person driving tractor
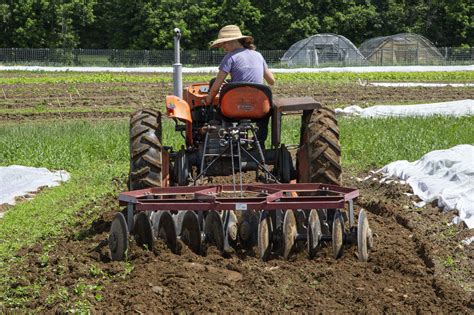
244,65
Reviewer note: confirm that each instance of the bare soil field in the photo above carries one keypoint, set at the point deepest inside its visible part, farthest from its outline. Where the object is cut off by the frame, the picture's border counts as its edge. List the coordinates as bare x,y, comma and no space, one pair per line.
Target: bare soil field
408,270
63,101
418,264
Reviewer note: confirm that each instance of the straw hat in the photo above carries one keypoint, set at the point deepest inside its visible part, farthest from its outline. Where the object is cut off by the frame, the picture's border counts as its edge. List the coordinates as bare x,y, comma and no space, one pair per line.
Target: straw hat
227,34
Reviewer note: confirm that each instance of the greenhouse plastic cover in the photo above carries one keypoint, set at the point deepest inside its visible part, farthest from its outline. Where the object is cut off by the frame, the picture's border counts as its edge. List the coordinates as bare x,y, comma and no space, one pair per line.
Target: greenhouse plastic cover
443,175
16,181
453,108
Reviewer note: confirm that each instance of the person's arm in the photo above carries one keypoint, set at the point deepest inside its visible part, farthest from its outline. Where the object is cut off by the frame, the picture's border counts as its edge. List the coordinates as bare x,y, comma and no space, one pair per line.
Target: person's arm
216,86
268,76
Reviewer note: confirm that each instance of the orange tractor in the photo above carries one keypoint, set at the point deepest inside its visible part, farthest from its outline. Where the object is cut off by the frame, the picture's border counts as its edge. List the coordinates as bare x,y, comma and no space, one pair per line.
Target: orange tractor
295,200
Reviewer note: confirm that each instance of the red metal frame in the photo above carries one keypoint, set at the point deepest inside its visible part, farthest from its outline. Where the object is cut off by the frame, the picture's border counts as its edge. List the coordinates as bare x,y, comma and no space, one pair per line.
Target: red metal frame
206,198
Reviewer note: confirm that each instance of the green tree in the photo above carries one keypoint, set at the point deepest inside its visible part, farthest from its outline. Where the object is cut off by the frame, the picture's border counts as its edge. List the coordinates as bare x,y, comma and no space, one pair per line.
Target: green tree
356,20
275,24
284,22
42,23
449,22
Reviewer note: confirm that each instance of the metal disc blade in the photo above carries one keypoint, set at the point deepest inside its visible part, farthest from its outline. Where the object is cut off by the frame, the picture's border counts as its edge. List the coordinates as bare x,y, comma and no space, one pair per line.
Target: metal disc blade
337,235
163,226
118,237
191,232
248,229
232,226
313,233
178,221
155,222
301,227
214,231
231,230
326,222
364,236
289,233
301,220
264,236
143,232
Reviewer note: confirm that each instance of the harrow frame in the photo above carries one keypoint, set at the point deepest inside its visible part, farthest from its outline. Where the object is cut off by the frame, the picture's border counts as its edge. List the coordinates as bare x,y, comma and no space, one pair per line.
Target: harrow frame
273,197
173,206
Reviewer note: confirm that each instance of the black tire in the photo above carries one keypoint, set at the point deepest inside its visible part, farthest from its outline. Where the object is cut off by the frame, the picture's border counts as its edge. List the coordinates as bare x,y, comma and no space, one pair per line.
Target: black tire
319,156
145,149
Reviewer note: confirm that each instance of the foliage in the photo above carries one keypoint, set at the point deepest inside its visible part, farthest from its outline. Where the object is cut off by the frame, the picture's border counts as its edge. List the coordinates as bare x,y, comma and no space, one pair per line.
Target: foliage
42,23
148,24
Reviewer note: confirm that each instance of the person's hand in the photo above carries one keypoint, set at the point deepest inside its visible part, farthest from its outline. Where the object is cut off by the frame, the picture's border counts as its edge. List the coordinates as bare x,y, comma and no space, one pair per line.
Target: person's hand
214,89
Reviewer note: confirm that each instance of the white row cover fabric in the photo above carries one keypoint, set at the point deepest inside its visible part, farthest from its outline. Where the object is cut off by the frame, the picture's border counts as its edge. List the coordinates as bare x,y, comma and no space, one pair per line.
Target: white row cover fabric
443,175
454,108
215,69
417,84
17,181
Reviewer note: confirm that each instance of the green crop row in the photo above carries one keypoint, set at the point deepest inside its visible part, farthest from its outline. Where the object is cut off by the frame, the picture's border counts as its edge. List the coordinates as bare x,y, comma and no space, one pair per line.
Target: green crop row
21,77
347,77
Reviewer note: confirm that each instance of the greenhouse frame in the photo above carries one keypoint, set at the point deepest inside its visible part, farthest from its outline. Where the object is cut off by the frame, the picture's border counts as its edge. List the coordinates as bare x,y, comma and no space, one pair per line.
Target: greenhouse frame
401,49
323,50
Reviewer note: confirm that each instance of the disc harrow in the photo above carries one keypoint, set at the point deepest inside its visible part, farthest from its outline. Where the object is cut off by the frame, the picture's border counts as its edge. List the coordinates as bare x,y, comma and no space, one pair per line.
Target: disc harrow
275,219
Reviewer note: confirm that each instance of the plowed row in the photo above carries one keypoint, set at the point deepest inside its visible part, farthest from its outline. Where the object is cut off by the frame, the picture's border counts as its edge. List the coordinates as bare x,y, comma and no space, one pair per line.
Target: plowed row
39,101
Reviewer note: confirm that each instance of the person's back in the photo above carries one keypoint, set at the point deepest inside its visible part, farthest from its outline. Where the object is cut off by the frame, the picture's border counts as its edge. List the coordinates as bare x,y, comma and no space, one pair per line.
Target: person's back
244,65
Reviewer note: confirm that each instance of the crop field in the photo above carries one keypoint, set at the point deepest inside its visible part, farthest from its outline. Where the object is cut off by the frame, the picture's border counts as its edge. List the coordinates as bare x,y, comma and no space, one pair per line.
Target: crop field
53,248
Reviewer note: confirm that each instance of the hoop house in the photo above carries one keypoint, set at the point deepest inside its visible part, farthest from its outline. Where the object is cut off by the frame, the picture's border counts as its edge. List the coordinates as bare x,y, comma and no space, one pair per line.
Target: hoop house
323,49
401,48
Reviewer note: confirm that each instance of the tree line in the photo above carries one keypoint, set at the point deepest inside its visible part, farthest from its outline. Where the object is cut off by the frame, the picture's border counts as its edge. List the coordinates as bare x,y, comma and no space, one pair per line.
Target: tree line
275,24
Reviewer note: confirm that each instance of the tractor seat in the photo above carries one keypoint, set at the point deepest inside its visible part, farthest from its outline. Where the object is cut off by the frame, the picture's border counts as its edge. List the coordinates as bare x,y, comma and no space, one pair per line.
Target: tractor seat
244,100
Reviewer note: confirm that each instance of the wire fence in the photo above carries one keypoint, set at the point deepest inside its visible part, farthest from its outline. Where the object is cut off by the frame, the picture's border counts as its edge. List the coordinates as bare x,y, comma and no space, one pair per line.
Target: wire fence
196,58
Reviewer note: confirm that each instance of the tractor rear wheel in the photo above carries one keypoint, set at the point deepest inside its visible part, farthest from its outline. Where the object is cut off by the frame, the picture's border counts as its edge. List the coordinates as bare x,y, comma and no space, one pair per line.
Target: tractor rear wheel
319,156
145,149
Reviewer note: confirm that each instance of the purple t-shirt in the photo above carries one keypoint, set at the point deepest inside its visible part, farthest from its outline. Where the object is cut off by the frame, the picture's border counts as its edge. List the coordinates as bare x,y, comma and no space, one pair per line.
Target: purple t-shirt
244,65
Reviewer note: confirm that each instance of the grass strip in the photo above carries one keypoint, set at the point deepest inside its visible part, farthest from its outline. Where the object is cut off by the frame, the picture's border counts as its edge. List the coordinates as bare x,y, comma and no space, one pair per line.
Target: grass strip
93,152
373,143
369,143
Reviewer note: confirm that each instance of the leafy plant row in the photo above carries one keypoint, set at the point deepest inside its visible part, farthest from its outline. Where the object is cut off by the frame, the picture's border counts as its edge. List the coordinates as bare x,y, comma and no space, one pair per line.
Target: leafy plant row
8,78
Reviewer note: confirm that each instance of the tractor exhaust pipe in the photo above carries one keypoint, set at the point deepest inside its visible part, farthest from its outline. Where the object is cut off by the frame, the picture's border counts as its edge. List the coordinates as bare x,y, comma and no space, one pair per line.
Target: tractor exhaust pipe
177,66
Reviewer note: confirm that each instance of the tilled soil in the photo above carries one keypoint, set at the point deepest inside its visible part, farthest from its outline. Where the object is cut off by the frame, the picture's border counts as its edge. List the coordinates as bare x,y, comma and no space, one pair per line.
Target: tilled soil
407,271
95,100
